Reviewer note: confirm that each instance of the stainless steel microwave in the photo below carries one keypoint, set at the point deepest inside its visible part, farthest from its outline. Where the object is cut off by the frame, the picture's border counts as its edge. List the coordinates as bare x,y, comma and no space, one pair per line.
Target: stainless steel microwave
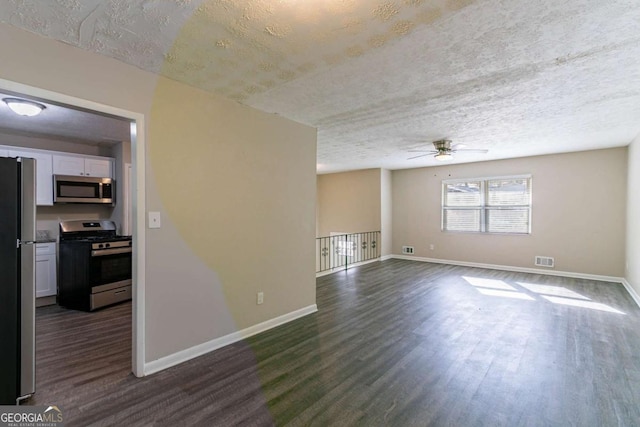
83,189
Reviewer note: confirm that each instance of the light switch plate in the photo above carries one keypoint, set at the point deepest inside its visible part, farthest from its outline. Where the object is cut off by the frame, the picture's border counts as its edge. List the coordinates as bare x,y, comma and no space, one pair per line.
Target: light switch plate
154,219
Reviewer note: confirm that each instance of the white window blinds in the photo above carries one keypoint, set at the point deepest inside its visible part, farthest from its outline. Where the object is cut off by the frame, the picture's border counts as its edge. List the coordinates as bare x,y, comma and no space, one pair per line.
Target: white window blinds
492,205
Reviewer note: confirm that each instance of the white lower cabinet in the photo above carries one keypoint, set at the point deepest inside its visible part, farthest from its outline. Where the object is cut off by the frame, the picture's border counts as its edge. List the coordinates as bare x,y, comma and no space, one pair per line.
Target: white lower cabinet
46,279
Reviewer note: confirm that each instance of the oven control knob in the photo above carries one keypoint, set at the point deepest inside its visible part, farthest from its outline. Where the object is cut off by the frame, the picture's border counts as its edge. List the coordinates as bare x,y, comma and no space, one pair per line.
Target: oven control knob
107,245
100,245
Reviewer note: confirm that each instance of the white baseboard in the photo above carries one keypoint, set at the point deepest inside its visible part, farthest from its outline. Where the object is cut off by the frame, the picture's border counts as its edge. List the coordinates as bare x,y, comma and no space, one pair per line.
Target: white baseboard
209,346
631,291
386,257
516,269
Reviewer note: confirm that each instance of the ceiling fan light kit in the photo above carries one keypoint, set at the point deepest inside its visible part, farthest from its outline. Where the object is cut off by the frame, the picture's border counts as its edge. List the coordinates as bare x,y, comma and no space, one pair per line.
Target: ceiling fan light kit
443,157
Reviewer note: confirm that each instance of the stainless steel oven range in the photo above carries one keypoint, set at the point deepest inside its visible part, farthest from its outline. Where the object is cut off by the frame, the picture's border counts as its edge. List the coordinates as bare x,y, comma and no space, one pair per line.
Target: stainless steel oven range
94,265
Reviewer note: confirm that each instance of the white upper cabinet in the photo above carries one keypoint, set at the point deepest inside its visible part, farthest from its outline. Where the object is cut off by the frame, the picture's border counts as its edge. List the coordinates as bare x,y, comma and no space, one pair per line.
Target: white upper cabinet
49,163
44,178
82,166
97,167
68,165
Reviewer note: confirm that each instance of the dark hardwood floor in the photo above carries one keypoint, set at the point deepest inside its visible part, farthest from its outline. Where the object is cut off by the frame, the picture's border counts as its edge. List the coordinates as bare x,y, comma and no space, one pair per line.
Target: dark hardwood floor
394,343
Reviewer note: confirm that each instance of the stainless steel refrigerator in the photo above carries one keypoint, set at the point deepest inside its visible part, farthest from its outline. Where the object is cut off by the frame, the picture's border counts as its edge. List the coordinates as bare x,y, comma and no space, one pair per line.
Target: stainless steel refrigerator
17,278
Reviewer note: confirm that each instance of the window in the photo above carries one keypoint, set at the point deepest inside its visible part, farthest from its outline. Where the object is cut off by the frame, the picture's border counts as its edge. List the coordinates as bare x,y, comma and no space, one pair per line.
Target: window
487,205
345,248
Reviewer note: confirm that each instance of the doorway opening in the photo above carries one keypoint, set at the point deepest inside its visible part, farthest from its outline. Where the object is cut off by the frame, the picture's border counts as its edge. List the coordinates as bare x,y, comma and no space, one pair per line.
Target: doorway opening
129,211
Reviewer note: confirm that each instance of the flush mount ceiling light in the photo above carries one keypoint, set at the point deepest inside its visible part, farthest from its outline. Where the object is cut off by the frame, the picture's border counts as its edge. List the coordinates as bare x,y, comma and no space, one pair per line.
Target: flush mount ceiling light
24,107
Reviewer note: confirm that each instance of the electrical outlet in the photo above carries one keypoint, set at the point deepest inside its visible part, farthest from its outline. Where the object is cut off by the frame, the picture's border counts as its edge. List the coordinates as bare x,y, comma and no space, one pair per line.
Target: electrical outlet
260,298
407,250
432,246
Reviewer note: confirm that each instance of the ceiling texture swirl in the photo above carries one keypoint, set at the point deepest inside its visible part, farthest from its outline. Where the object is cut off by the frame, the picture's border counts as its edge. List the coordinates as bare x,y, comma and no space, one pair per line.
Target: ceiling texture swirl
382,78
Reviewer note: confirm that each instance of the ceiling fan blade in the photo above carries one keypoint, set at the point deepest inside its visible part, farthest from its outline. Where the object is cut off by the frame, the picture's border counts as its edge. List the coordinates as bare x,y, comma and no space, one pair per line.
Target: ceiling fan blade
421,155
422,151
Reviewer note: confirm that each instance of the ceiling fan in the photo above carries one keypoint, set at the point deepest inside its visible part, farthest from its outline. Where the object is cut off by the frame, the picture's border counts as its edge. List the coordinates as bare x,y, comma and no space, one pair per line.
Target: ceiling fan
444,150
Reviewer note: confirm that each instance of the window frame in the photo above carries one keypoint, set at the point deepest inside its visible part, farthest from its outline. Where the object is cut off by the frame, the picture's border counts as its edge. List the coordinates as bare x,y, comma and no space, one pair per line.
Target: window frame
484,207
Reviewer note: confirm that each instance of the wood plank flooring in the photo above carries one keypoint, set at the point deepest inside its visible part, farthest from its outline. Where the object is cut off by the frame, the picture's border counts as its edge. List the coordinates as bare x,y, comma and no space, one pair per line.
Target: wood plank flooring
396,343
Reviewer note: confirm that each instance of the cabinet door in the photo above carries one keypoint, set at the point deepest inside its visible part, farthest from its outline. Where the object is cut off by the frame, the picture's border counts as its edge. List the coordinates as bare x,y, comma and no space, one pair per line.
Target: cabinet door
68,165
97,167
45,275
44,175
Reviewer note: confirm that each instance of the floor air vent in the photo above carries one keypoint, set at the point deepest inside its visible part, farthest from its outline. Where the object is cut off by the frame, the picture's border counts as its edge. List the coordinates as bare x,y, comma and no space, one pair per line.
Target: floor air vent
407,249
544,261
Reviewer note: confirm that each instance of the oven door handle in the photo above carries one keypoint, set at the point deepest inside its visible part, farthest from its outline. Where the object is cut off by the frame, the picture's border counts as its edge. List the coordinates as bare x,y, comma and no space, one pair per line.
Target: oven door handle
115,251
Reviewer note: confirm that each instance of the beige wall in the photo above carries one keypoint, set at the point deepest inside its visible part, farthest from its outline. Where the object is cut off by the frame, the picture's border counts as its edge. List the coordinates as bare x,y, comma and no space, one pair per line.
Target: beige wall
238,186
349,202
579,203
632,272
235,188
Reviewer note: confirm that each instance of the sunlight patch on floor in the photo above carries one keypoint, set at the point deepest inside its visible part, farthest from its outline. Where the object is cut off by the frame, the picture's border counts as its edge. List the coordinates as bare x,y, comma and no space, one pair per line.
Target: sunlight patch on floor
488,283
554,294
581,303
506,294
557,291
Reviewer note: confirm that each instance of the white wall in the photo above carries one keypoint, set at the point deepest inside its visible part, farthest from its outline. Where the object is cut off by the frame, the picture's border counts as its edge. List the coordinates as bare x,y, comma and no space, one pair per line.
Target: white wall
632,265
578,217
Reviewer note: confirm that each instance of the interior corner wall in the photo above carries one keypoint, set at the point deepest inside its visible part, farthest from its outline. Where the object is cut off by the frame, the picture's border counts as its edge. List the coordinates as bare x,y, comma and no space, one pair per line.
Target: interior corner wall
632,264
386,214
578,213
349,202
235,188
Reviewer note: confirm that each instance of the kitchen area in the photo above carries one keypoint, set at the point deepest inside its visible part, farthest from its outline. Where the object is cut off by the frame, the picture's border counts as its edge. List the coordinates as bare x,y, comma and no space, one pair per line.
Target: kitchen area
82,239
67,185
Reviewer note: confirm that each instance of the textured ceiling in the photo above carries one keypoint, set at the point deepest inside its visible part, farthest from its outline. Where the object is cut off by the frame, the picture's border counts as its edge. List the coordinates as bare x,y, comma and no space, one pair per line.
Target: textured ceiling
381,78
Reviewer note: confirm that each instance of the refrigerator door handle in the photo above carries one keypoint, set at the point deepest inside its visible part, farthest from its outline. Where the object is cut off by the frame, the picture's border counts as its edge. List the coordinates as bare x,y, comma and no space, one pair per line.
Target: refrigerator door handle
28,202
27,320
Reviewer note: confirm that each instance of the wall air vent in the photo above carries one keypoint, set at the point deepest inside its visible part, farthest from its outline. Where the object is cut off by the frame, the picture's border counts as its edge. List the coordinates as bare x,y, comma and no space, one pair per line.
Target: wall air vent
545,261
407,250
